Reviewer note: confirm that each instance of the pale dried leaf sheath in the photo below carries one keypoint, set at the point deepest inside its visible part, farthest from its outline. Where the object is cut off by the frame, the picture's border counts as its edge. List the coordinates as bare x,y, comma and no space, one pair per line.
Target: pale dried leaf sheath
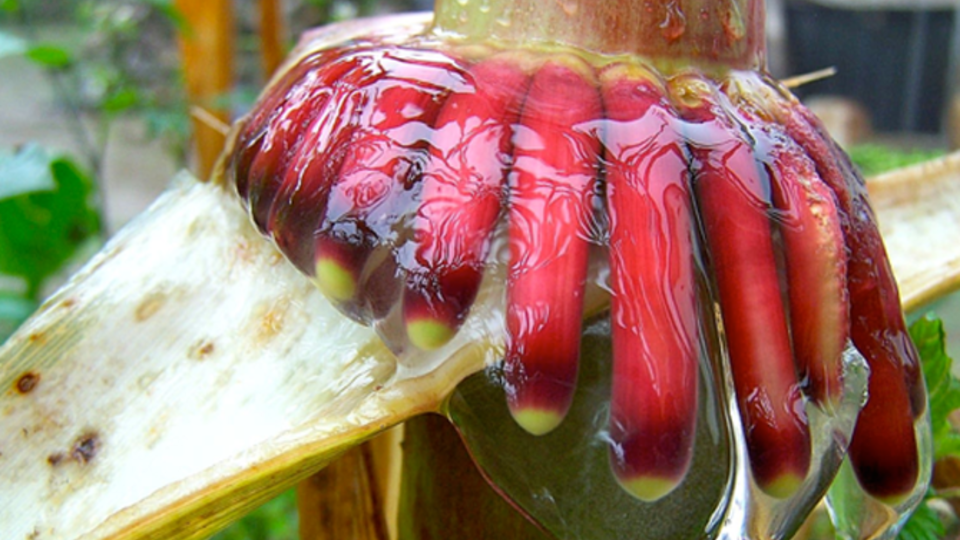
918,209
186,375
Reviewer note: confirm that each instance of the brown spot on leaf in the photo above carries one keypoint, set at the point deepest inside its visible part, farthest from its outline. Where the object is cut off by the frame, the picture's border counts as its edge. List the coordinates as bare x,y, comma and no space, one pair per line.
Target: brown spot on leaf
68,303
27,382
202,350
86,448
37,338
149,307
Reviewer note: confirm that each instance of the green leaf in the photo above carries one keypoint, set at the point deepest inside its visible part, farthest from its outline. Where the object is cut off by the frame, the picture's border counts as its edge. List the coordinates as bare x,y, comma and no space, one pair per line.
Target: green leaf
875,159
275,520
10,6
942,387
924,524
120,100
42,230
943,390
11,45
13,310
172,14
25,171
49,56
949,444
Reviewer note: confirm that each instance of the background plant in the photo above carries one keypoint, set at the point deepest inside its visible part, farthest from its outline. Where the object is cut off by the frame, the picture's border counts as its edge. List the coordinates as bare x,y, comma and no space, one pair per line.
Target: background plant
50,202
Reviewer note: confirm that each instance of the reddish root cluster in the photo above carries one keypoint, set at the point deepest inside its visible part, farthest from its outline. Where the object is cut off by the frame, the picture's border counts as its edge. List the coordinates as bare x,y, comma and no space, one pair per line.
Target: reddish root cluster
387,173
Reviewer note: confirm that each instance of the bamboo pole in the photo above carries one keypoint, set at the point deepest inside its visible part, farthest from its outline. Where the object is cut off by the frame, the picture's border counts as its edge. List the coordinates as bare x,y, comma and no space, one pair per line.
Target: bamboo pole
207,48
272,37
386,452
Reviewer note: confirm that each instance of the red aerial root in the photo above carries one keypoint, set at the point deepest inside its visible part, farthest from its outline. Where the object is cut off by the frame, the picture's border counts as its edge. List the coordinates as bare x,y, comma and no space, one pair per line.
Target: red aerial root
552,199
735,204
284,135
380,171
883,451
461,192
653,286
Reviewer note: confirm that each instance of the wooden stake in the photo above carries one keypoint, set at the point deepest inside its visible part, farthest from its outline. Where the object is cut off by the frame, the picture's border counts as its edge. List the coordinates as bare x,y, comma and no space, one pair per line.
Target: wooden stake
272,48
807,78
341,501
207,48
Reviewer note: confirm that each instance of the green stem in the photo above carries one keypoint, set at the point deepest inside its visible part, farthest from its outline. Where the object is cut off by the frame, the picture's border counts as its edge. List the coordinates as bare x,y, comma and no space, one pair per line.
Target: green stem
726,32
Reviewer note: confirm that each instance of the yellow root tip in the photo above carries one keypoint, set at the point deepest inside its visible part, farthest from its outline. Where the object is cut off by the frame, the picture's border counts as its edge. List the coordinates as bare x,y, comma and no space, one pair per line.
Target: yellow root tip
783,486
429,334
335,281
894,500
649,488
537,421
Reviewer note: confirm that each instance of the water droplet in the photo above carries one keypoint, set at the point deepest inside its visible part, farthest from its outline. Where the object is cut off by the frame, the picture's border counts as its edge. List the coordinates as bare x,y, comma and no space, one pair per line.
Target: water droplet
674,23
733,23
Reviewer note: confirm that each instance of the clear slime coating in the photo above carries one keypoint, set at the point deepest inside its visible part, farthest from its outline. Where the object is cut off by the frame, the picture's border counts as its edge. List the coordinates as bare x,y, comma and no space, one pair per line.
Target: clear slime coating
719,228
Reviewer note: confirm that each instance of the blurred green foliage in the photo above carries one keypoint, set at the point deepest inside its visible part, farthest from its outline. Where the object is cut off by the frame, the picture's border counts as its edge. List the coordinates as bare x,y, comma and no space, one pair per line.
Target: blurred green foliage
275,520
43,225
48,214
875,158
113,57
943,390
